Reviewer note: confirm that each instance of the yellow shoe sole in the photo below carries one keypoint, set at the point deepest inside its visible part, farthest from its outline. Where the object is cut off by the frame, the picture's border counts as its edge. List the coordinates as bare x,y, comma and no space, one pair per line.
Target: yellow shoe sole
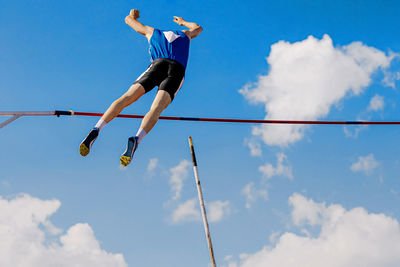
83,150
125,160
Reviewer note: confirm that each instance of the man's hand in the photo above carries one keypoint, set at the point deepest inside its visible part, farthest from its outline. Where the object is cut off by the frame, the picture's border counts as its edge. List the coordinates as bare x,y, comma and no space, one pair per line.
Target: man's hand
194,28
132,21
179,20
134,14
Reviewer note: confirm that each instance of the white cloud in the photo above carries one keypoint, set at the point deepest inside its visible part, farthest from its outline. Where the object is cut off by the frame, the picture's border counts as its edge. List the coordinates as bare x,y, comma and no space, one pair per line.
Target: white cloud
29,239
228,257
347,238
186,212
229,261
365,164
153,163
306,78
376,103
390,78
218,210
189,211
274,237
353,131
306,210
252,194
178,174
255,148
282,168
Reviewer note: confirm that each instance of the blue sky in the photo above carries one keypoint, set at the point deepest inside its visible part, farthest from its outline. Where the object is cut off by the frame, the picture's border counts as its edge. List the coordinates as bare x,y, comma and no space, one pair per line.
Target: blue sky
80,55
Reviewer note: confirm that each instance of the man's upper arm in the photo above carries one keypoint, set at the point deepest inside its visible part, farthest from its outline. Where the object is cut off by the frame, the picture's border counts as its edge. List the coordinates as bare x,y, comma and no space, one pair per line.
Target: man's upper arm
148,32
140,28
194,32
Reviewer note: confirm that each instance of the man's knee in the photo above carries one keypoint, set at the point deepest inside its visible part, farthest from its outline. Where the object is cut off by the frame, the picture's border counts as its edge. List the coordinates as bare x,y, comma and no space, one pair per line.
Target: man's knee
118,102
135,92
124,100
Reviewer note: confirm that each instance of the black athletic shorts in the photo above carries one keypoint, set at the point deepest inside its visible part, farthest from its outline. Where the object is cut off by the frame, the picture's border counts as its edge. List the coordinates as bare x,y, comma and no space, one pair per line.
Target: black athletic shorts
165,73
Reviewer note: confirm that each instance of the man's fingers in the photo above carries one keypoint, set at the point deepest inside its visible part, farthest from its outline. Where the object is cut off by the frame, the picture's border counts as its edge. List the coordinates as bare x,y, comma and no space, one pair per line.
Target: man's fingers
178,20
134,12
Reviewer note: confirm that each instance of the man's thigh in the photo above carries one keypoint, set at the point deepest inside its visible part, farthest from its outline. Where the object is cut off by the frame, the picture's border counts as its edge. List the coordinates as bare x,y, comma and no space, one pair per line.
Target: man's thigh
161,101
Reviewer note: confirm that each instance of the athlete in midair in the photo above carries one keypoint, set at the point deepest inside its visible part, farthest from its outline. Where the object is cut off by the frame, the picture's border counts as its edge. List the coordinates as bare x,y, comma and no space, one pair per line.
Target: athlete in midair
169,51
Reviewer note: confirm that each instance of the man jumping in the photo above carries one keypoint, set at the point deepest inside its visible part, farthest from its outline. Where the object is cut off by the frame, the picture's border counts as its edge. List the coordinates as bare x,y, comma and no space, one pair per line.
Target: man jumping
169,51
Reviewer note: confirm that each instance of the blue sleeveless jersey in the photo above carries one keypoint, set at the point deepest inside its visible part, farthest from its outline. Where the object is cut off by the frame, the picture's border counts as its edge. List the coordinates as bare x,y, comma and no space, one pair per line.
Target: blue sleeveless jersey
170,44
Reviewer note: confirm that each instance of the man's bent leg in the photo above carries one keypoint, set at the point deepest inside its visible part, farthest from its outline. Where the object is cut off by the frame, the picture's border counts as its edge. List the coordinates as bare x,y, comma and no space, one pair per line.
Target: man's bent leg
133,94
161,102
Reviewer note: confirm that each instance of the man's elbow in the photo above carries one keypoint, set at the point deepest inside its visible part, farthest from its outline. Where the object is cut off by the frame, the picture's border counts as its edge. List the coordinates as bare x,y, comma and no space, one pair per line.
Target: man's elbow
197,27
197,30
128,20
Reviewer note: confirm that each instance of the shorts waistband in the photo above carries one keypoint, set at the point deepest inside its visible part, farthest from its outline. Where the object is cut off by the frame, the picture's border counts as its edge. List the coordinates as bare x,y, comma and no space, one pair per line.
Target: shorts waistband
170,61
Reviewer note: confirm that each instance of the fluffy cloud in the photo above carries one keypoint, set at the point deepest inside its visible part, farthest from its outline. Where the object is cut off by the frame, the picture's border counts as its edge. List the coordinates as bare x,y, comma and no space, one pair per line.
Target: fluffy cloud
252,194
186,212
255,148
391,78
29,239
353,131
178,174
365,164
189,211
217,210
153,163
306,210
347,238
306,78
376,103
282,168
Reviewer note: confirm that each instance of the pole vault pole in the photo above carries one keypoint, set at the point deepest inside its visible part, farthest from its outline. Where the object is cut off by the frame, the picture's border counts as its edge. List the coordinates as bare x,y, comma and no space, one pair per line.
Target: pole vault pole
58,113
18,114
202,206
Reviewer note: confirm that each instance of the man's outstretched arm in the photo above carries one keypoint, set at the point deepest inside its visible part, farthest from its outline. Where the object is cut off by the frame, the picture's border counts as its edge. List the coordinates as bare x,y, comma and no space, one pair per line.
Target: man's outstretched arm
131,20
194,28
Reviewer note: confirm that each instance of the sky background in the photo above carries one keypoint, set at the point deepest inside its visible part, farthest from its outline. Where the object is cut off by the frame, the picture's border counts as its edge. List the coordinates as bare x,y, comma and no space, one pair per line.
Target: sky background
273,194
